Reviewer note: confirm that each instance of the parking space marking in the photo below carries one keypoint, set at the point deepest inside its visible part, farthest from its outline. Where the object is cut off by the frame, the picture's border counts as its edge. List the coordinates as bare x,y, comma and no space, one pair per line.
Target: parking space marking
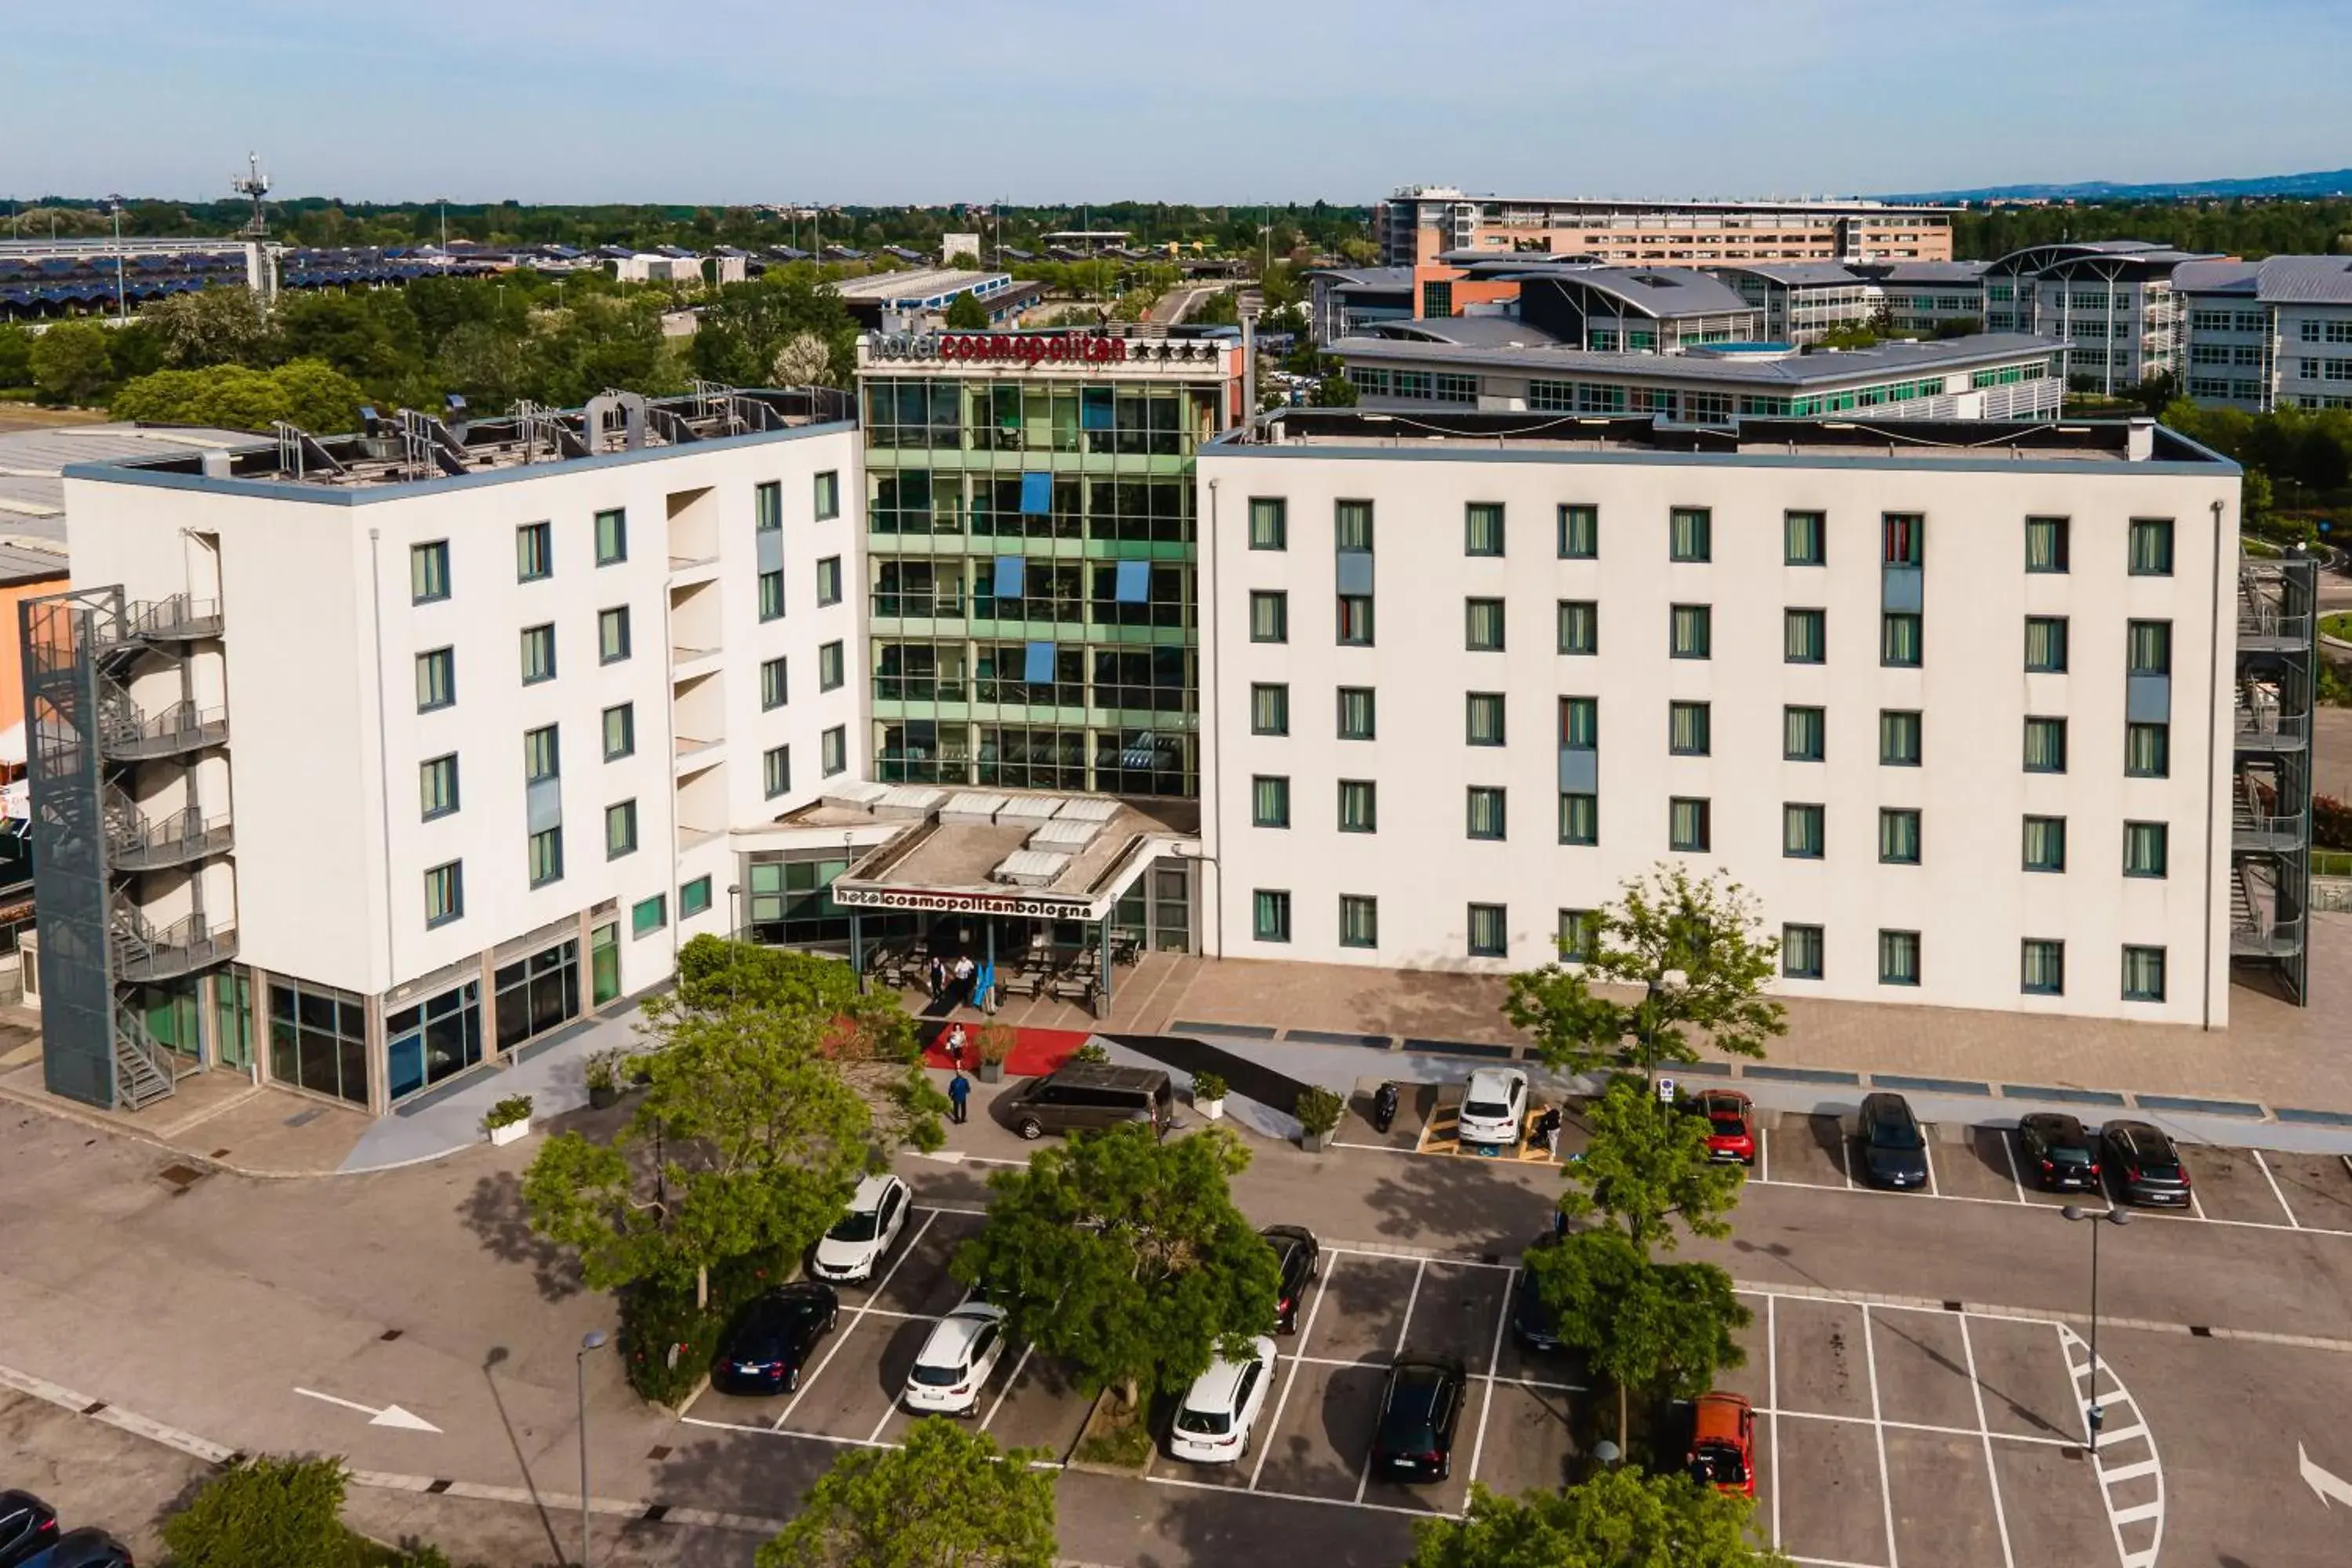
1303,1496
1764,1153
2198,1214
1486,1404
1282,1399
2265,1165
1878,1432
858,1313
1420,1271
2138,1473
1830,1563
1992,1472
1845,1156
1927,1158
1924,1428
1772,1394
2009,1149
1018,1368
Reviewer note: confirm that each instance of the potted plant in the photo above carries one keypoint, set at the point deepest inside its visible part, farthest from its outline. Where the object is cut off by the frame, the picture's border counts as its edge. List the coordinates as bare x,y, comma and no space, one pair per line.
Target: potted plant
604,1076
1209,1095
1318,1112
996,1042
1093,1053
508,1120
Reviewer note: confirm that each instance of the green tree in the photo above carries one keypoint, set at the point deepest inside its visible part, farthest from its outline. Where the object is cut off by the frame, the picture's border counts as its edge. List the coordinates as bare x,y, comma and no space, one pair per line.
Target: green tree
266,1513
966,313
233,397
1620,1518
1335,390
15,357
71,365
1646,1164
744,331
222,325
946,1500
1697,949
1125,1256
1661,1326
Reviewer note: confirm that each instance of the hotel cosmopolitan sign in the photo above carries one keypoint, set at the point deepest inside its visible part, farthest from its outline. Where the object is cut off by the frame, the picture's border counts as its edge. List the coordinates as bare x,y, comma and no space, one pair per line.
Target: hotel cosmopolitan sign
1080,351
1034,906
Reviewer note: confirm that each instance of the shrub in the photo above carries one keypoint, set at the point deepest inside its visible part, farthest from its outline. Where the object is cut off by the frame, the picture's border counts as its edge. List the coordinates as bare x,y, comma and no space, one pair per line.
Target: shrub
514,1108
655,1317
1207,1085
2331,823
1319,1109
996,1042
267,1513
1094,1052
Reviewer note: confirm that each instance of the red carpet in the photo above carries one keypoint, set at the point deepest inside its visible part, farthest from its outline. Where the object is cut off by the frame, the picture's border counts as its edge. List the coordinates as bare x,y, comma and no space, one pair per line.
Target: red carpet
1036,1053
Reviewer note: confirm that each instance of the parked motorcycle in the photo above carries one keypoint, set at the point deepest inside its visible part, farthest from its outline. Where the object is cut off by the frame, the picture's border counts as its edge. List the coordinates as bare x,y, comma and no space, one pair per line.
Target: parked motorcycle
1384,1106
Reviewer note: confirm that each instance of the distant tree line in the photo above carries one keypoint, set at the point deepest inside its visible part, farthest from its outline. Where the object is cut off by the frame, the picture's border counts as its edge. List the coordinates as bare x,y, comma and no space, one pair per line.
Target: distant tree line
2253,229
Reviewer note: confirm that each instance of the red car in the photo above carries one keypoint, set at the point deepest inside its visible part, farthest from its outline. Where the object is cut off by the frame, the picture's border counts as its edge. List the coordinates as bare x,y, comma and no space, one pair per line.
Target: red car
1723,1444
1730,1125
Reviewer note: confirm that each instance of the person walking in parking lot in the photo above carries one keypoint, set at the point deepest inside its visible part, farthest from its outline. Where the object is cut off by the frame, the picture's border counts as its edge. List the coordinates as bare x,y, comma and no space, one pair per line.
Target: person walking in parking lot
959,1093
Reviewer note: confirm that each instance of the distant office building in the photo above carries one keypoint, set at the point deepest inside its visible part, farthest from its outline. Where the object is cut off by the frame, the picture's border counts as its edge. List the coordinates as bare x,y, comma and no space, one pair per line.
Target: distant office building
1803,301
1628,310
928,291
1420,222
2269,334
1921,298
2112,300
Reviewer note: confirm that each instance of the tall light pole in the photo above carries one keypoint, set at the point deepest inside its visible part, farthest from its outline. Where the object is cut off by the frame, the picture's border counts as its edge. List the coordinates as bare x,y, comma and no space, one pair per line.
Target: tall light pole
2095,1412
122,295
593,1341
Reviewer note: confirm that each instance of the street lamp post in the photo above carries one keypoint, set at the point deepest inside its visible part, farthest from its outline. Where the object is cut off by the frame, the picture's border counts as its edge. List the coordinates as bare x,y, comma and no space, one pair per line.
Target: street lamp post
593,1341
122,295
2094,1412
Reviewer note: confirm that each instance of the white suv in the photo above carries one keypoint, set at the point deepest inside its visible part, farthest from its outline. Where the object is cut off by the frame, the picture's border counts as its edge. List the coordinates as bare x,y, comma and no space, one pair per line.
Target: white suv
861,1238
956,1360
1494,1108
1213,1427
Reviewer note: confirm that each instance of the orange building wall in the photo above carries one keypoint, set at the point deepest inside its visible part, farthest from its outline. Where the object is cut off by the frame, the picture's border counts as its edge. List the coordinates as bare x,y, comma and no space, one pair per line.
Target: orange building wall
12,659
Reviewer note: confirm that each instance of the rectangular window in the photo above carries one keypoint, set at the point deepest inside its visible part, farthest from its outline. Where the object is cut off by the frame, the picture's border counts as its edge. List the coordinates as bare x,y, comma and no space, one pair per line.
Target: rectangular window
2045,745
2045,844
438,786
772,594
828,495
2151,547
1269,523
1579,626
2042,967
445,894
538,655
534,552
1805,538
2147,750
1575,936
1270,915
1269,709
620,731
1579,723
611,537
1269,801
1359,807
1269,615
2143,974
1355,620
2046,645
1800,951
1901,537
768,507
1801,832
830,668
1899,639
542,754
1360,920
620,830
2147,848
1482,529
1898,739
437,679
1580,532
1805,637
1356,713
1482,718
2046,544
694,897
428,572
1693,631
613,634
776,771
1579,817
1803,733
1898,836
1899,958
828,581
1691,534
2148,646
1485,814
833,750
1351,524
1689,729
775,687
546,856
649,915
1482,624
1490,930
1688,825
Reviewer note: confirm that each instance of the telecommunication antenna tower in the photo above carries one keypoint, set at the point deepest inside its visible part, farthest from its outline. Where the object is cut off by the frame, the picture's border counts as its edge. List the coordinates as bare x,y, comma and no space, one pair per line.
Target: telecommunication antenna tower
254,185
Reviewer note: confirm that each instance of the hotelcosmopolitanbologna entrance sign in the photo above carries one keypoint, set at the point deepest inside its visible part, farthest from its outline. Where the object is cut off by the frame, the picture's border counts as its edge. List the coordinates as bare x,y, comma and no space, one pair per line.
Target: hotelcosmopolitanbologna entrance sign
1029,350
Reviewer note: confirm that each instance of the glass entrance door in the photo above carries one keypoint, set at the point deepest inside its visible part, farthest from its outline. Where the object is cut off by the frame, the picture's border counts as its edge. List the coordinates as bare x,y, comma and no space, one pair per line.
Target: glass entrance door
233,1017
604,963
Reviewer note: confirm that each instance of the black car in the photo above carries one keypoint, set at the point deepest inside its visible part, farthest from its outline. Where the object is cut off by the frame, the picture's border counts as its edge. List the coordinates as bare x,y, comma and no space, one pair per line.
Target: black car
1893,1150
84,1548
2059,1152
2146,1164
1420,1408
769,1343
1535,1324
1300,1255
27,1525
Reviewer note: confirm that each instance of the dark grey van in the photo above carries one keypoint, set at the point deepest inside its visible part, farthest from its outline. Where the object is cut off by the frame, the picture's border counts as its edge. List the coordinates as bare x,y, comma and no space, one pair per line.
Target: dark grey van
1085,1097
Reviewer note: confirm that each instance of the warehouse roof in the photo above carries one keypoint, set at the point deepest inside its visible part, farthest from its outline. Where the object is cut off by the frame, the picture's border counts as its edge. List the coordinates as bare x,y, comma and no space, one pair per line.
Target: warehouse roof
1829,367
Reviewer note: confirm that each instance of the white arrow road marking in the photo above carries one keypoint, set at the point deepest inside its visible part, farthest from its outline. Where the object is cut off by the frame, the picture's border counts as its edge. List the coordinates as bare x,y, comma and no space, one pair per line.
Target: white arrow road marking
2326,1483
944,1156
390,1415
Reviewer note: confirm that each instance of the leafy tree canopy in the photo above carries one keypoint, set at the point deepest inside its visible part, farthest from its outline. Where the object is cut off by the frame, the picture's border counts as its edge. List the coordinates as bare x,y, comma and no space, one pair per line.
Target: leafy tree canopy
305,393
966,313
1647,1164
264,1514
948,1499
1620,1518
72,363
1665,1327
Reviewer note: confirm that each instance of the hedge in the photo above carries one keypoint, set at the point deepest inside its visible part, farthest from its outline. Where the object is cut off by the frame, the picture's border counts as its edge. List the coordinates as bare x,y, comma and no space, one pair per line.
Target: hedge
657,1316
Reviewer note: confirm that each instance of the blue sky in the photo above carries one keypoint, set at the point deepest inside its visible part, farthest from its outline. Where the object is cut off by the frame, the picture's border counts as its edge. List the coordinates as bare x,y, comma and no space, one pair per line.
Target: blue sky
1064,100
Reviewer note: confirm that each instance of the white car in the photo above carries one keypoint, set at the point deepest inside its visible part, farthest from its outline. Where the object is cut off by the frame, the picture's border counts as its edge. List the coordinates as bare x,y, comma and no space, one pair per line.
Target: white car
1213,1426
956,1360
1494,1108
861,1238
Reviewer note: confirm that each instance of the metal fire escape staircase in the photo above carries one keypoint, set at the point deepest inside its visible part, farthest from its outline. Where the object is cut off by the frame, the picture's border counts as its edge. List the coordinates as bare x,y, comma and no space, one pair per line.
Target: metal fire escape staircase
2270,791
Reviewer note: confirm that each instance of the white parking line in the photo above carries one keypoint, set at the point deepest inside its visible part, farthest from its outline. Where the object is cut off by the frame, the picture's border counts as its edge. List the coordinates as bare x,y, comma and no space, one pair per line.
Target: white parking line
1992,1472
1282,1400
1927,1158
2009,1148
1878,1431
859,1311
2143,1518
1494,1366
1018,1368
1923,1427
1303,1496
1365,1478
2198,1216
1764,1153
1772,1393
1845,1156
2264,1166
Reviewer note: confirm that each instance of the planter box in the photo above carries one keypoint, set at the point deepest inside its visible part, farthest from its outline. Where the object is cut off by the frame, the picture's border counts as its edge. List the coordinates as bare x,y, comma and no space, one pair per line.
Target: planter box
1214,1109
1316,1143
991,1072
603,1098
512,1133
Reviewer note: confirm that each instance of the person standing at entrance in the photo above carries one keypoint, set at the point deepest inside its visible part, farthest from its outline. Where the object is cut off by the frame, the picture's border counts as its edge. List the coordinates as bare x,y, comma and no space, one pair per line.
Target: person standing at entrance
954,1047
965,970
935,973
959,1092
